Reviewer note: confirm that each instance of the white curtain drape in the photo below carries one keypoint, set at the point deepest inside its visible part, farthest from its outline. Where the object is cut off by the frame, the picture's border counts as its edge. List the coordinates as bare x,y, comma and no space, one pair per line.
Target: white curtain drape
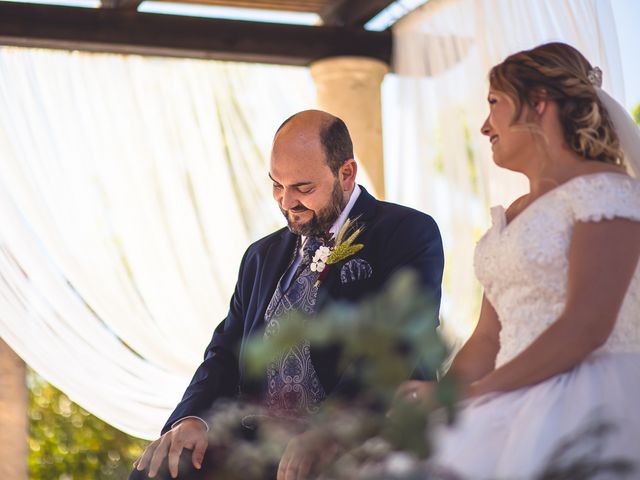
436,158
130,186
129,189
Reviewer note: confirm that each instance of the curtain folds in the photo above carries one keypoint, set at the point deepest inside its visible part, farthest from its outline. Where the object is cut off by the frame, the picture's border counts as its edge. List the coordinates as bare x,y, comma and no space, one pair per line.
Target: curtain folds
129,189
436,158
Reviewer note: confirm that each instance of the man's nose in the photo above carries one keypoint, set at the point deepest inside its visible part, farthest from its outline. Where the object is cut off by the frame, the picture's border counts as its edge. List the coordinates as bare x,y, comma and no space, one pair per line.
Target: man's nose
289,199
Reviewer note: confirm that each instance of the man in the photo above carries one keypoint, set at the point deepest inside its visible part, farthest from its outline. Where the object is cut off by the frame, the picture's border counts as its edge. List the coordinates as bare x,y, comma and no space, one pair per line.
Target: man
314,183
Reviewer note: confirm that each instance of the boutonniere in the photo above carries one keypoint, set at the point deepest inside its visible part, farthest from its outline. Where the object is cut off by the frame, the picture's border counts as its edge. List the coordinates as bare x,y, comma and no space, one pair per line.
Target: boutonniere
341,248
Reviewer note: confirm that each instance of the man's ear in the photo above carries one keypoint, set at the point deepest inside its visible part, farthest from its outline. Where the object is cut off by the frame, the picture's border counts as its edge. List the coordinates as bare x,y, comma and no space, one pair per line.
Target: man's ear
347,174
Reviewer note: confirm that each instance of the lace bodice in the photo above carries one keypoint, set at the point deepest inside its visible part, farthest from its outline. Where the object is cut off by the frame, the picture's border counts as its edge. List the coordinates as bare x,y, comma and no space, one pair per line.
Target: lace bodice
523,266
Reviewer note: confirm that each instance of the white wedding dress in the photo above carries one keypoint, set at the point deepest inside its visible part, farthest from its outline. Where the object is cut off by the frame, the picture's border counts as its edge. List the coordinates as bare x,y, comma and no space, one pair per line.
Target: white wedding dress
523,268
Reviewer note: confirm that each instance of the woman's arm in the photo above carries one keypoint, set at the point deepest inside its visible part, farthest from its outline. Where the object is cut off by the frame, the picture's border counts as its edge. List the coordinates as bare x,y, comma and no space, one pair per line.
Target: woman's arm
477,357
474,360
602,260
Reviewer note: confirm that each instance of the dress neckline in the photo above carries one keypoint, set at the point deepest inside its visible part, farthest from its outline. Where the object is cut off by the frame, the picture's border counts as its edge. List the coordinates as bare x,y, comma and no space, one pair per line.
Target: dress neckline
500,214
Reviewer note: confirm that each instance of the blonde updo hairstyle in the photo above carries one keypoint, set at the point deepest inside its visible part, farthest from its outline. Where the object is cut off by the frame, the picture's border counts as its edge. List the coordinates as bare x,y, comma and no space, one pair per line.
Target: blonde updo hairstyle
559,72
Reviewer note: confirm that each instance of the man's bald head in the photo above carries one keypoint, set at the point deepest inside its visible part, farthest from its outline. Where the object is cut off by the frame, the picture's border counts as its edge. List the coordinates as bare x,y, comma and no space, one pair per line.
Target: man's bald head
316,125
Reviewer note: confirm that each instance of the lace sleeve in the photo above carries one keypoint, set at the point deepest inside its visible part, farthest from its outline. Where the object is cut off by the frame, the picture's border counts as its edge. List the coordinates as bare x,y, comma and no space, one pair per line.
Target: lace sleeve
604,196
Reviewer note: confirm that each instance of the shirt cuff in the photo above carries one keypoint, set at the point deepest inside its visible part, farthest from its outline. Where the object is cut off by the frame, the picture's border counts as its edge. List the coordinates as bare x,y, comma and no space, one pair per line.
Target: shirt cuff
177,422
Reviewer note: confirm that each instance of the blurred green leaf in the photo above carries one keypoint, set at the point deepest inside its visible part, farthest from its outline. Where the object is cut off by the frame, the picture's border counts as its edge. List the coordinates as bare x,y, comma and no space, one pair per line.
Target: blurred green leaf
381,341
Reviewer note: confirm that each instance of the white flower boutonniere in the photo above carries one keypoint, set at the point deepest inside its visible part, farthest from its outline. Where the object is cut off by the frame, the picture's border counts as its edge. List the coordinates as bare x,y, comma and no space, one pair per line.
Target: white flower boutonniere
341,249
319,260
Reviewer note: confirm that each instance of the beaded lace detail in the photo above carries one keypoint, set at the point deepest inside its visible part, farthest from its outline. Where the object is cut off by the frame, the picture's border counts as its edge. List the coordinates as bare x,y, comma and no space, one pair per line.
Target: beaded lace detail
523,266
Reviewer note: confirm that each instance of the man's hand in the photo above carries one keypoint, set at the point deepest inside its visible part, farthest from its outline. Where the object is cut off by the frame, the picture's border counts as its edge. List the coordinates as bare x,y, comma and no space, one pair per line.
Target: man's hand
190,433
306,453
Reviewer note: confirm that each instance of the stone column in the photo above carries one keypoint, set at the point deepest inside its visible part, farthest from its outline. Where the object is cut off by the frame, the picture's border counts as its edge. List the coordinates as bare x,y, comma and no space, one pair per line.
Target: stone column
13,415
349,87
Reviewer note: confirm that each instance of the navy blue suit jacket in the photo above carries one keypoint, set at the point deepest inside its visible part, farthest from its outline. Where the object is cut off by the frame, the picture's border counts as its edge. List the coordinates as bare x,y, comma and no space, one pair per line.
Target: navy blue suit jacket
394,237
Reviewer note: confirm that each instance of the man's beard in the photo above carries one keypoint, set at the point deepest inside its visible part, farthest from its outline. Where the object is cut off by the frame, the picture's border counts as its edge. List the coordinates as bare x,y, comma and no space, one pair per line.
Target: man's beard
323,219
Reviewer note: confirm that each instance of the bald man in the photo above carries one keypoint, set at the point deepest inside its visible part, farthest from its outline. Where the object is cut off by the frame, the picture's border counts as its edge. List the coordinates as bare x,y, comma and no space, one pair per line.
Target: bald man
313,173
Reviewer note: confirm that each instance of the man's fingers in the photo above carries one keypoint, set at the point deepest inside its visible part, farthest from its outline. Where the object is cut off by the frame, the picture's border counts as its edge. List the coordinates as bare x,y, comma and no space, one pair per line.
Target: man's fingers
284,462
304,467
291,469
282,468
174,456
298,465
144,460
198,452
158,456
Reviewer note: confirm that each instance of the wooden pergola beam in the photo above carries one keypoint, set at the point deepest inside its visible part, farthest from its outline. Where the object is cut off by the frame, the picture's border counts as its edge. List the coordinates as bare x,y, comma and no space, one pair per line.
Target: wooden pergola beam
307,6
121,4
114,30
348,13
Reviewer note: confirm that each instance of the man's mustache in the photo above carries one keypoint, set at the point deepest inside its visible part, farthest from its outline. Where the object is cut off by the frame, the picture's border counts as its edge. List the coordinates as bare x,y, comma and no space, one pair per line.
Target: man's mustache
298,209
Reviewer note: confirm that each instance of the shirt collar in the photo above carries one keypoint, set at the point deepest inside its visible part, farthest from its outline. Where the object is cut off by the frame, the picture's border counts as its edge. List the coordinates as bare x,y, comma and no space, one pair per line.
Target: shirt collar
337,225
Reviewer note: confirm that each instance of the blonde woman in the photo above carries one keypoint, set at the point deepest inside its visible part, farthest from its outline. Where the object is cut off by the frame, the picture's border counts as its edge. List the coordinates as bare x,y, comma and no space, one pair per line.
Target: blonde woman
552,371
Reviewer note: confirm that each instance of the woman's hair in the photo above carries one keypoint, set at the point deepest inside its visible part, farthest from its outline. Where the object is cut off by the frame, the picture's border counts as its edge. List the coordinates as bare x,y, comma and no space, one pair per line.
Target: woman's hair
559,72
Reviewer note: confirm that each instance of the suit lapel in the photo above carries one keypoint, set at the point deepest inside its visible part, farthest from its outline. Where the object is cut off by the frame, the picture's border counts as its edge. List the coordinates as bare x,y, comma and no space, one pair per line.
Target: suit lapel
363,210
276,260
325,358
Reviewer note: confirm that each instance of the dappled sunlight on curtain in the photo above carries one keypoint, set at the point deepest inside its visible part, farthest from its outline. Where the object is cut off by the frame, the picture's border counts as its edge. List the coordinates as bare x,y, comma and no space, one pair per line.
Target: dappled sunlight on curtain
436,158
129,189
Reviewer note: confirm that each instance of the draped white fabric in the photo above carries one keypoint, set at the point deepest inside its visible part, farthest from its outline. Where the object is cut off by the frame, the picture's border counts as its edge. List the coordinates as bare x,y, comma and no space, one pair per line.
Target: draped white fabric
130,186
436,158
129,189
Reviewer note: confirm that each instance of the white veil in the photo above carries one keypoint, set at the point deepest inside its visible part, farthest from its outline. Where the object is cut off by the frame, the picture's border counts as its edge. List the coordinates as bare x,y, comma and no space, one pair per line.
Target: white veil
627,130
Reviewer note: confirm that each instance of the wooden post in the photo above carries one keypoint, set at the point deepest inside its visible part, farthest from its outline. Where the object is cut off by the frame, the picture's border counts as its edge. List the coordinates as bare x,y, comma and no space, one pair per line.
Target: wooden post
13,415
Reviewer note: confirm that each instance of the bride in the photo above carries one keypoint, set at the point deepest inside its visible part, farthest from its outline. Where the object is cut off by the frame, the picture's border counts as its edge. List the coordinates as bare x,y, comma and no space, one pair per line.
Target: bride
552,370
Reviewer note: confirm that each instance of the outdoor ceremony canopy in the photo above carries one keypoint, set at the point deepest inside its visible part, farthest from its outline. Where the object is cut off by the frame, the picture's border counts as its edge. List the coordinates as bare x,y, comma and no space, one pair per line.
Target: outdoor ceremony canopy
131,185
117,27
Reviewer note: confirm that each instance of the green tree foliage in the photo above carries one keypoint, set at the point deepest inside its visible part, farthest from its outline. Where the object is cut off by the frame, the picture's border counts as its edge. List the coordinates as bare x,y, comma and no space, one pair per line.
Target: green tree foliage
68,443
636,114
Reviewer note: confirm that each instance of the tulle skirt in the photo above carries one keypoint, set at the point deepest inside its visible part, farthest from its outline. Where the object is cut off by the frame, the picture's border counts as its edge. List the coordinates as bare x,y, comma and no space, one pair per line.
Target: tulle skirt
584,423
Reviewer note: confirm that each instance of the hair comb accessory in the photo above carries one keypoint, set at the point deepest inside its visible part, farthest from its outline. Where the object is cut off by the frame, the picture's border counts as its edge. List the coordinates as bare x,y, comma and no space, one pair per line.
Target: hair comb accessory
595,77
